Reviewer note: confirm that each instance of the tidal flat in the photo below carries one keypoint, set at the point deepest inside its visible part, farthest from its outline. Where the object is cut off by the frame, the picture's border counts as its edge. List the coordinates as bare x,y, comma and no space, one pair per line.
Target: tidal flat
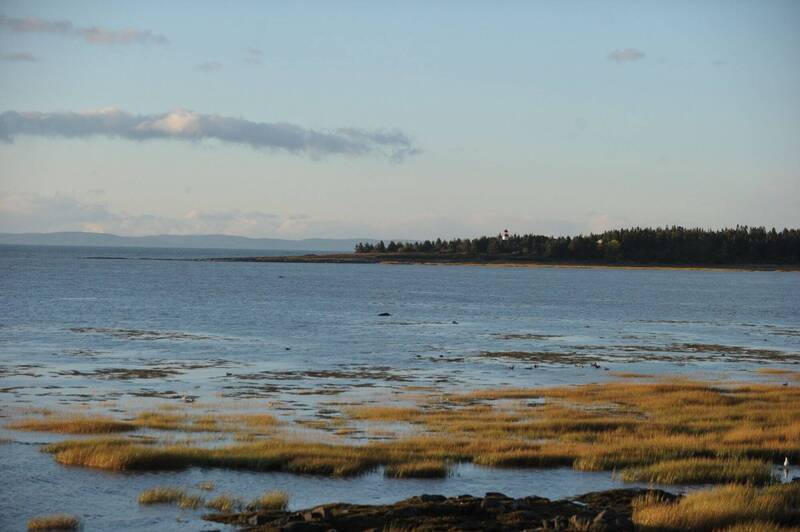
683,436
222,383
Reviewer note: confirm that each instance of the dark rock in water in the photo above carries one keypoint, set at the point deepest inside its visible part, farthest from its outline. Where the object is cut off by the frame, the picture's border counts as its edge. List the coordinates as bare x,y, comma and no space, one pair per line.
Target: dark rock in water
596,512
299,526
384,314
431,498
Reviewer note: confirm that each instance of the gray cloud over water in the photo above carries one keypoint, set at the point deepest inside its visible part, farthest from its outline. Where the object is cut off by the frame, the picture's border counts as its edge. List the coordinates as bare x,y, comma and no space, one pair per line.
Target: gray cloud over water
90,34
190,126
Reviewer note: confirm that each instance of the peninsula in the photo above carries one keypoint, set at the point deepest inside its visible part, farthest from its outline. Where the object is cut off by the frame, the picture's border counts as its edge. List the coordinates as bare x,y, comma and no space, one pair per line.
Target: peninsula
753,248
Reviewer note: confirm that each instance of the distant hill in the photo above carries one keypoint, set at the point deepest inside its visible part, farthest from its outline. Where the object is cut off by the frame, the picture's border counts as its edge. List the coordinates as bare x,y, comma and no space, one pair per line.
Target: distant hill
178,241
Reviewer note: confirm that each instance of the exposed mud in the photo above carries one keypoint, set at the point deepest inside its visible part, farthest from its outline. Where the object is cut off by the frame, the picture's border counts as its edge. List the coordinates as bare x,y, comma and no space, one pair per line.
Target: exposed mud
138,334
123,373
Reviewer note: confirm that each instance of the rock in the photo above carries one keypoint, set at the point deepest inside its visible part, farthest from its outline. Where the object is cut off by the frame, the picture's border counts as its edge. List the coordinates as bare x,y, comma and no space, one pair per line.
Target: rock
259,519
432,498
594,512
300,526
384,314
492,505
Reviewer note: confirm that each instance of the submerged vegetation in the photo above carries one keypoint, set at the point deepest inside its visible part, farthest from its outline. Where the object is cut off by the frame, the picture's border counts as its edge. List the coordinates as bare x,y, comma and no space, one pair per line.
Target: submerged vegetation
668,245
673,432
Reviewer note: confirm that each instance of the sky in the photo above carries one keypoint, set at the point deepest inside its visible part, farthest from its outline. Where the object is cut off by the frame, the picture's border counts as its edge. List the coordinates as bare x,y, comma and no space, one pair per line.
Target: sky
410,119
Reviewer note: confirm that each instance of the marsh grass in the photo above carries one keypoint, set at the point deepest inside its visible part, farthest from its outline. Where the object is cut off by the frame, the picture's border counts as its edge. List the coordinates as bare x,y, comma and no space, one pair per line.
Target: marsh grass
667,431
190,502
167,495
161,495
418,469
54,522
225,503
701,470
629,375
271,500
777,371
739,507
203,423
758,526
72,424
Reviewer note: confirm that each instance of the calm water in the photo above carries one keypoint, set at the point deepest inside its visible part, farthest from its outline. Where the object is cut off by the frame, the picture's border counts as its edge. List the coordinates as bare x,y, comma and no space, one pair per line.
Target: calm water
73,328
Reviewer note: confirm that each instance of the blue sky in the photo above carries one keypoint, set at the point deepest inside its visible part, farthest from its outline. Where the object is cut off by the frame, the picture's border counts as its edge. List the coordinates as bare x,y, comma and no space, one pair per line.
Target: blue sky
410,120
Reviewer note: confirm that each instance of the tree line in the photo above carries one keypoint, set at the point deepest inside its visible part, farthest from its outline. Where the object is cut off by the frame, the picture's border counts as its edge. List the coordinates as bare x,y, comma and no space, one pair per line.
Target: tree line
678,245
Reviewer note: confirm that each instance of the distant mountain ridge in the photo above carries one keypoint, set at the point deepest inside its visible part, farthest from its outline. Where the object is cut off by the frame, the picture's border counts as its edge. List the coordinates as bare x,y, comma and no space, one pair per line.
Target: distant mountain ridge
179,241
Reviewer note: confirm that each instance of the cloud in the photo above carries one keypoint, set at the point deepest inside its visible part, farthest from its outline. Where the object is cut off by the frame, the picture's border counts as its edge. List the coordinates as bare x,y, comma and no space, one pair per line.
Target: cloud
18,56
209,66
22,213
254,56
62,212
599,222
90,34
190,126
628,55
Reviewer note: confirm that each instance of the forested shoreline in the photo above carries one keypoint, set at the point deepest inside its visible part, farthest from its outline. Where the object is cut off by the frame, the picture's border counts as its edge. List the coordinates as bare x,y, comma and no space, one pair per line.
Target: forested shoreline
668,245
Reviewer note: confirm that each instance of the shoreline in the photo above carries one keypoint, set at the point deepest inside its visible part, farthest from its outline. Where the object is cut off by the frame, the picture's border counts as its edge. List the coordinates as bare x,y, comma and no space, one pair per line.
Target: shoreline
500,262
598,511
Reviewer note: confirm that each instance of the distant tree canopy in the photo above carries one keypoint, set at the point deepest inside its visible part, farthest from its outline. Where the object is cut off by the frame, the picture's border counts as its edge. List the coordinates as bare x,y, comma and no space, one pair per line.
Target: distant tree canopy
676,245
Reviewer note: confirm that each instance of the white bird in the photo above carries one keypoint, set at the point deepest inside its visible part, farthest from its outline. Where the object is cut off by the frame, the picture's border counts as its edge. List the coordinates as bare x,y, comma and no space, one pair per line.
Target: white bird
188,399
786,463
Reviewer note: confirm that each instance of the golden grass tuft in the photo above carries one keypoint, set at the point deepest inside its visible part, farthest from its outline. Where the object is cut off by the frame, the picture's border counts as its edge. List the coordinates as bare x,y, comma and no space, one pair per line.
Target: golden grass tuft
629,375
72,425
190,502
418,469
777,371
161,495
54,522
739,506
271,500
167,495
206,485
225,503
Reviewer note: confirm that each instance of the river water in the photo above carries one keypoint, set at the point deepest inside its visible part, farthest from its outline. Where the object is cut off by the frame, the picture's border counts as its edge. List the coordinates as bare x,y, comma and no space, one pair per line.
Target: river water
77,330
